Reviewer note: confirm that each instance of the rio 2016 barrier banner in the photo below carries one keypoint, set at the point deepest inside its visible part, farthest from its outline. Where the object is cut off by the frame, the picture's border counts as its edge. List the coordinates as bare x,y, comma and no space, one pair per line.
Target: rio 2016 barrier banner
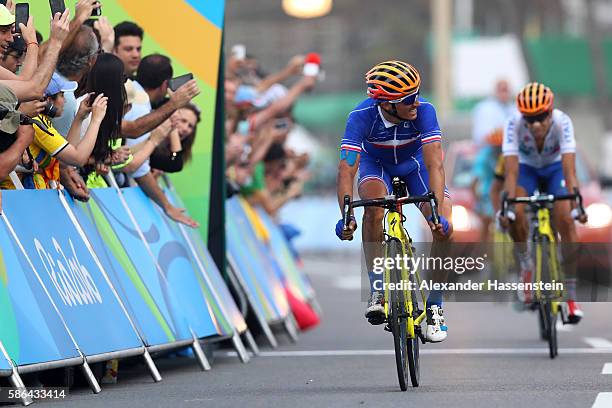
212,284
183,322
30,328
68,272
173,258
275,244
254,265
114,275
150,317
77,279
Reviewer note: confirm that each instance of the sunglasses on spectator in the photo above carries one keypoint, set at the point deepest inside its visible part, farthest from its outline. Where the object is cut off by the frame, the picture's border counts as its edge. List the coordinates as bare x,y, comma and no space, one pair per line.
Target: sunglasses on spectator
536,118
407,100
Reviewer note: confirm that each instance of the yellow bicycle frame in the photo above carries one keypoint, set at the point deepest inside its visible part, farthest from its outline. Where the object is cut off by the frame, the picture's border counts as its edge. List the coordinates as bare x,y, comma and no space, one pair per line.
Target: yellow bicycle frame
545,229
396,230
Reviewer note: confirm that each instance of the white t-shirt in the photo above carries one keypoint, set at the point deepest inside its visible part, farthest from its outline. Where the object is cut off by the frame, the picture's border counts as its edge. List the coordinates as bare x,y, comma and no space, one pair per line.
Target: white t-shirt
139,110
490,115
518,141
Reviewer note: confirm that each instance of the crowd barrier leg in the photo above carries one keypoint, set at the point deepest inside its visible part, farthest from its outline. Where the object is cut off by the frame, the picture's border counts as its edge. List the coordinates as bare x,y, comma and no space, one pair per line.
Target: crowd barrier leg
243,355
248,336
148,361
238,282
291,328
90,377
14,378
314,303
199,353
151,366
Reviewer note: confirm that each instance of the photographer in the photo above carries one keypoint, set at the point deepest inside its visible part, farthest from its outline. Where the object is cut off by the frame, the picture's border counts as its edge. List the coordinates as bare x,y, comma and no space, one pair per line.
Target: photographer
173,153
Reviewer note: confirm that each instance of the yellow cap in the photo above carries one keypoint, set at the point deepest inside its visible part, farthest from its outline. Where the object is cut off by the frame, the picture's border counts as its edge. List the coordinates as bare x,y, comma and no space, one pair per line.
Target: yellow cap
6,18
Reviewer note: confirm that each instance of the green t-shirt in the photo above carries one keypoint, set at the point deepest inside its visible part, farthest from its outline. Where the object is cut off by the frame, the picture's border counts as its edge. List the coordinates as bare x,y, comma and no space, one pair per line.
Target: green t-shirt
258,182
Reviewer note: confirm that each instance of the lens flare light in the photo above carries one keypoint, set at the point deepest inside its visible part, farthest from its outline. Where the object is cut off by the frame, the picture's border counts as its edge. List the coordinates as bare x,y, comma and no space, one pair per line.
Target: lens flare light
307,8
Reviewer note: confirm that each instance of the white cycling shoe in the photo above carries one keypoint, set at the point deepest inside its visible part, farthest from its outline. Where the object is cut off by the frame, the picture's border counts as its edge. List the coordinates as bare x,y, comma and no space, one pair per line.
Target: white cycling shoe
375,313
437,330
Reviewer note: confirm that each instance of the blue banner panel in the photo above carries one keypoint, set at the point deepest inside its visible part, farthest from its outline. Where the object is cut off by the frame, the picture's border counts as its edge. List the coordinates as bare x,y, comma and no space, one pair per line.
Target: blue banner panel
147,315
68,271
30,328
167,299
5,367
279,247
175,262
211,270
254,262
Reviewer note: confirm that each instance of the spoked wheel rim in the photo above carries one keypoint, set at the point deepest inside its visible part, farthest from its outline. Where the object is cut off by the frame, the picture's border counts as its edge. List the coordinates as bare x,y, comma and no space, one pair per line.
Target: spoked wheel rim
400,340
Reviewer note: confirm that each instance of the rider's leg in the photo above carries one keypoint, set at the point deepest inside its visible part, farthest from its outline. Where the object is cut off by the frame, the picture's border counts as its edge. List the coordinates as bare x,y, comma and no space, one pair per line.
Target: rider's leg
439,248
519,231
417,181
372,232
564,224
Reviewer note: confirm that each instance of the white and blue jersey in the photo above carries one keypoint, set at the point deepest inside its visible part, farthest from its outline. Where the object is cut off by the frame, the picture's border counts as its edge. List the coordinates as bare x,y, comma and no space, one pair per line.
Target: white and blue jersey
540,167
388,150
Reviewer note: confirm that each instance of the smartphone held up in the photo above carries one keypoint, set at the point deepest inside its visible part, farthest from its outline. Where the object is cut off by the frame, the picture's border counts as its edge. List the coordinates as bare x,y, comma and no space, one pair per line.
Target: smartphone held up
22,15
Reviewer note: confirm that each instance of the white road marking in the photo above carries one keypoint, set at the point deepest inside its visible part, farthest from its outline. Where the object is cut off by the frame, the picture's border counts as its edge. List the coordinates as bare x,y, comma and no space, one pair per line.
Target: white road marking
482,351
598,342
607,368
348,282
604,400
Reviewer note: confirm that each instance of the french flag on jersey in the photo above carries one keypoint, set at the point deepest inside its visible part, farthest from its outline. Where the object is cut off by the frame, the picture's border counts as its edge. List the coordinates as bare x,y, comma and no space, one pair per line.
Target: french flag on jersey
346,144
431,137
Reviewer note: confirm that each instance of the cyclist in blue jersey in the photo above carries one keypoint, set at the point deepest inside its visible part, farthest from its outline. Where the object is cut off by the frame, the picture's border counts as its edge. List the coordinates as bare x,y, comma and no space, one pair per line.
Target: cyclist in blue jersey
394,133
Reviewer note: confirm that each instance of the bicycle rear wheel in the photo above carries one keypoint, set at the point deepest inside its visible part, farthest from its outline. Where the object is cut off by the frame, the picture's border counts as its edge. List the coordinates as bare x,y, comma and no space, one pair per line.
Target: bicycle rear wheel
398,318
553,350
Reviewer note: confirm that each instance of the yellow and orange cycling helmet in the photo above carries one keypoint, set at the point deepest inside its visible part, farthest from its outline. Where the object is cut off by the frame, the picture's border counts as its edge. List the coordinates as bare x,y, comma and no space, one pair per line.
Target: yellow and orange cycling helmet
535,99
392,81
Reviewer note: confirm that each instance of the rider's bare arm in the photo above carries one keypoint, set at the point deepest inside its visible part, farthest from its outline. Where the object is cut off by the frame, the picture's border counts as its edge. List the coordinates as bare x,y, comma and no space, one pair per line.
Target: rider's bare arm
432,156
347,169
511,169
568,163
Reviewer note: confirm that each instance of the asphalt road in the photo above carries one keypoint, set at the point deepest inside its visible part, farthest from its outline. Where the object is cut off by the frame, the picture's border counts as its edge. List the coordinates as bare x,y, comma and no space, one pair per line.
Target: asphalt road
492,358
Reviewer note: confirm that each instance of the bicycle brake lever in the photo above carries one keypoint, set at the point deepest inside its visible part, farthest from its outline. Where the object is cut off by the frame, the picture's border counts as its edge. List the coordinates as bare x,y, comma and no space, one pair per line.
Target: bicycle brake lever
434,208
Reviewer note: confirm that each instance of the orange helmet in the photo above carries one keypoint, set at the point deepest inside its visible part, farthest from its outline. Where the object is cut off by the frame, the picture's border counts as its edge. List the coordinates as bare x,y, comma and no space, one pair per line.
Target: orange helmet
535,99
392,80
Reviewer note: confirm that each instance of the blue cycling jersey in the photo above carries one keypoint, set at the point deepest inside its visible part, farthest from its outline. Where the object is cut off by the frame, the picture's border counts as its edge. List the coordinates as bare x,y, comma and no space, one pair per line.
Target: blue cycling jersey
368,132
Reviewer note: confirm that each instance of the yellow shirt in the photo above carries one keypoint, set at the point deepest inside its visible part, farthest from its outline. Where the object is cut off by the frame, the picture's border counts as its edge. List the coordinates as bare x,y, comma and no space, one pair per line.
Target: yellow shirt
43,150
499,168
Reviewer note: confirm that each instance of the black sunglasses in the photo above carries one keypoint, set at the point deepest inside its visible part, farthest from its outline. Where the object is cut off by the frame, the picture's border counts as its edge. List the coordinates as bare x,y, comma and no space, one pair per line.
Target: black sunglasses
537,118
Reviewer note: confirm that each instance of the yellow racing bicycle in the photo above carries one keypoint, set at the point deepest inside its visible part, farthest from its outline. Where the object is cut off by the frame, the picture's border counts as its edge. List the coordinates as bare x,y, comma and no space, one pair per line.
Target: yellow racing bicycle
403,312
543,242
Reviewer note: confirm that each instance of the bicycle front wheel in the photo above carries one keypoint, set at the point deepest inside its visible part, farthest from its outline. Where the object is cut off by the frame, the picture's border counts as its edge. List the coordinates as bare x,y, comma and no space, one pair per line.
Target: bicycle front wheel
413,347
547,311
398,318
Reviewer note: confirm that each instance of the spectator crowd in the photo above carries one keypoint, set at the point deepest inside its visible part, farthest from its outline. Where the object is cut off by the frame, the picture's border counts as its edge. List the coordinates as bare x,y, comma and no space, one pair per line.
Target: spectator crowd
260,164
84,108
